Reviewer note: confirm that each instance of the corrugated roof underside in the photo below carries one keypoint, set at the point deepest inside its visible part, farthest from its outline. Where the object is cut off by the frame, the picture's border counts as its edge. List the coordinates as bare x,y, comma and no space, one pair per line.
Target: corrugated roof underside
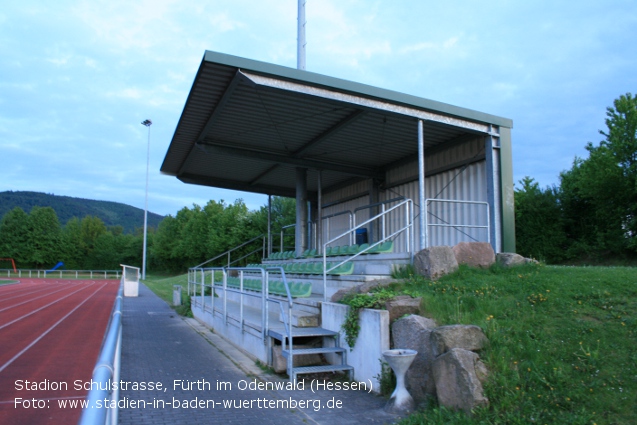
279,124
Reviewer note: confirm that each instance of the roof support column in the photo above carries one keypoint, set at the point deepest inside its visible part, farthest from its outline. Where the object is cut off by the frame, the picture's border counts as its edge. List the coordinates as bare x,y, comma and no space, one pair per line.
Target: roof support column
374,228
300,240
269,248
422,214
492,152
319,214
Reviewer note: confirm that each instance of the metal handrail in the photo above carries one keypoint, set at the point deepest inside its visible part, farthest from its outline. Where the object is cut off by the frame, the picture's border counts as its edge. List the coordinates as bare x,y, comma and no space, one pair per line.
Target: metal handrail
107,371
283,234
228,252
265,295
409,226
379,204
456,226
351,222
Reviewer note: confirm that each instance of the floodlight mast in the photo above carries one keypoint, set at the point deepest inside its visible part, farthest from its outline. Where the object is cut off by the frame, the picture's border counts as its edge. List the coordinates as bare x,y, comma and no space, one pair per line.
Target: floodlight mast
146,123
300,46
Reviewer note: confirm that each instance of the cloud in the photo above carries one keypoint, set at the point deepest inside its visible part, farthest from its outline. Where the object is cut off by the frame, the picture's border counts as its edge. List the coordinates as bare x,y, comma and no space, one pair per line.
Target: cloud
223,23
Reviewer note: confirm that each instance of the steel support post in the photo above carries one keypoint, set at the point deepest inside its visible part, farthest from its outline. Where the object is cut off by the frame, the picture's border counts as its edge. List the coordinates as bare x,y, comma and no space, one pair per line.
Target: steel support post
319,214
300,240
421,187
492,153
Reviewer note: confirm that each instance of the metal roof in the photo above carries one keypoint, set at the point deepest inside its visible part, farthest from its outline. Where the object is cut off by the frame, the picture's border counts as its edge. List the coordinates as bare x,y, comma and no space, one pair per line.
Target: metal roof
247,125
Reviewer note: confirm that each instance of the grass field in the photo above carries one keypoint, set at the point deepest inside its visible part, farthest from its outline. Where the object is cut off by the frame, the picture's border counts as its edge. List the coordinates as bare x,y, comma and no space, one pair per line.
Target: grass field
563,346
562,342
163,287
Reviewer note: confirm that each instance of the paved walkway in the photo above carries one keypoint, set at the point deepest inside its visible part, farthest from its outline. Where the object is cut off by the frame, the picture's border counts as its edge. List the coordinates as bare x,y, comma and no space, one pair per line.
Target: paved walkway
202,378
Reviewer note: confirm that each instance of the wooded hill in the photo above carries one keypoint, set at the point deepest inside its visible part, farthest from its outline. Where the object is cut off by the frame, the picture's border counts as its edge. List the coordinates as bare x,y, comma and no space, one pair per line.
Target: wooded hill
66,207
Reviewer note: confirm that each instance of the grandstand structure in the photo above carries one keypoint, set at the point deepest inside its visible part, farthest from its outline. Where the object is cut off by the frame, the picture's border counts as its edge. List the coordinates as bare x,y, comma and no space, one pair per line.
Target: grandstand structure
377,175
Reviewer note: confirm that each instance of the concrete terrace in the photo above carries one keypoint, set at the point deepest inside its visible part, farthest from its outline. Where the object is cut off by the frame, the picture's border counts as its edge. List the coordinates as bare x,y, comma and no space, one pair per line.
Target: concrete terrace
160,346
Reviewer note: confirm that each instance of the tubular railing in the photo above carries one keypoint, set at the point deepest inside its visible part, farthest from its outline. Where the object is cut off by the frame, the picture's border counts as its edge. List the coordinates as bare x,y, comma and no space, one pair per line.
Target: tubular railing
283,229
311,233
407,203
231,250
106,373
456,226
382,215
68,274
197,280
350,223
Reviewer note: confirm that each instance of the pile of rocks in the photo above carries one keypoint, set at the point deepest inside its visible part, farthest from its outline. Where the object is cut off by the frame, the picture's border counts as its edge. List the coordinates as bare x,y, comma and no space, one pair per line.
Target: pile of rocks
447,365
437,261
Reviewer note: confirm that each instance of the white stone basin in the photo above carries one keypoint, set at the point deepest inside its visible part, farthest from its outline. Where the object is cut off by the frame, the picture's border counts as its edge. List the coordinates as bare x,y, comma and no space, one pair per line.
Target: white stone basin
399,360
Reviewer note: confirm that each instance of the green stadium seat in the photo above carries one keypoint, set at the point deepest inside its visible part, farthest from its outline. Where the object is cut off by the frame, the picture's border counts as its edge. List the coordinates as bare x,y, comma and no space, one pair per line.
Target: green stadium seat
317,267
383,248
301,289
343,269
302,268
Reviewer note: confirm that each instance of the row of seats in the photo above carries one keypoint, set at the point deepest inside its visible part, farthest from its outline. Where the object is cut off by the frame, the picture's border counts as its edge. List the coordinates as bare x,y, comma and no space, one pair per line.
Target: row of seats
276,287
314,267
382,248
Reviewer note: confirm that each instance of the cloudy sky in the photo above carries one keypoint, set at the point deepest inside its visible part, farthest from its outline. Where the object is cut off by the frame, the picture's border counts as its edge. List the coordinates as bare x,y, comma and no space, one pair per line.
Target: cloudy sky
77,77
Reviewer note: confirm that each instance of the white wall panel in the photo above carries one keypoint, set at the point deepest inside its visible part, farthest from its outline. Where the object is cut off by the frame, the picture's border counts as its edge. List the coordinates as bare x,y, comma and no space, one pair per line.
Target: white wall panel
466,183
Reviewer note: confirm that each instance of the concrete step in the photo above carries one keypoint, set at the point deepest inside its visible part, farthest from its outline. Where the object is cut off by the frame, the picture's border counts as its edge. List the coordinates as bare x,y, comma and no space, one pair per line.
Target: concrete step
320,369
301,319
320,350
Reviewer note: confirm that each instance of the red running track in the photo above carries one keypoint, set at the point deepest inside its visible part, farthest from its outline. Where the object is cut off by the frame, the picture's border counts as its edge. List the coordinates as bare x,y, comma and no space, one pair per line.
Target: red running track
51,331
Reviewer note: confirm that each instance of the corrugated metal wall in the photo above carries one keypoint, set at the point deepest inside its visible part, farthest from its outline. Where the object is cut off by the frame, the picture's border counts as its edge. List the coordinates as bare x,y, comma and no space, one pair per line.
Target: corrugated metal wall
467,182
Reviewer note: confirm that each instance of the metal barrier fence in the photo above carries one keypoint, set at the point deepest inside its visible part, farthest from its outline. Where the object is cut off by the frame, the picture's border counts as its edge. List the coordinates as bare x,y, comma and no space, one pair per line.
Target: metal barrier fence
407,230
106,373
453,217
202,279
63,274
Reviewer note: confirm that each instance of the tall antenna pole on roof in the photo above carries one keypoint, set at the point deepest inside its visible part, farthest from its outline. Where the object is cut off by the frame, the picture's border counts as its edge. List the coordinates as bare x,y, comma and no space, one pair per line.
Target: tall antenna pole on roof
300,44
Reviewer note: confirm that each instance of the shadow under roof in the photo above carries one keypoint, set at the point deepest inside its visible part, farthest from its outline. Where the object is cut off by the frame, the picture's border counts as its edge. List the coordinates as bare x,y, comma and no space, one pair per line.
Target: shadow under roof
247,125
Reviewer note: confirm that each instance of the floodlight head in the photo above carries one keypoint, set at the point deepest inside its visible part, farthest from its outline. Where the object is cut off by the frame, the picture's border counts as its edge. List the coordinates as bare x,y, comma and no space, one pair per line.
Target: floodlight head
147,123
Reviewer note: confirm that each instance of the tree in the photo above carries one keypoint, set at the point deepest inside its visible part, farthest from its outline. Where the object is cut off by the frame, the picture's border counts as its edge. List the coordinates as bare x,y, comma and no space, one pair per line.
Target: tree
13,236
599,193
163,251
71,247
44,237
539,226
283,214
91,229
621,144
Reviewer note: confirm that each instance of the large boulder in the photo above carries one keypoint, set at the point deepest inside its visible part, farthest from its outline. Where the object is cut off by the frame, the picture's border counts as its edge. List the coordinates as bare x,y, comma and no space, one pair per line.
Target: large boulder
474,254
435,261
414,333
467,337
510,259
402,305
458,375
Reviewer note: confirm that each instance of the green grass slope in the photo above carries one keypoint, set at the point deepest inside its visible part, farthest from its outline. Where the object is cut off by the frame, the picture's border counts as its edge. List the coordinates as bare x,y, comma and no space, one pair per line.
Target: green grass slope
562,342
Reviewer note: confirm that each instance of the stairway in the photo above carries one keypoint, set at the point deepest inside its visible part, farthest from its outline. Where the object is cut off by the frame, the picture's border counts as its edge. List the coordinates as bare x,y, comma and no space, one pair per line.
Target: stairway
311,332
